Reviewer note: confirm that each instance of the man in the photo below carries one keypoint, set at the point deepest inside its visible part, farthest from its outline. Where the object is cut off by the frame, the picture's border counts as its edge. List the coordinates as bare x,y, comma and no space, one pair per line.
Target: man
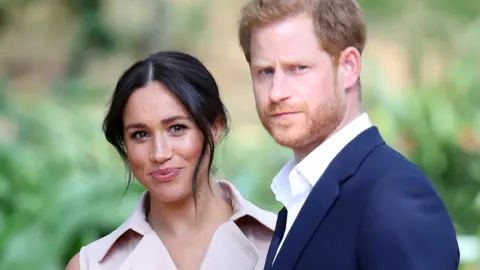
351,202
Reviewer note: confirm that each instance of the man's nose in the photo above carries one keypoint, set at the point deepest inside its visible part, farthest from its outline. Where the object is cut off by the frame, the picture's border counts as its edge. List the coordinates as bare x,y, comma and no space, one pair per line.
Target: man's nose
161,150
279,89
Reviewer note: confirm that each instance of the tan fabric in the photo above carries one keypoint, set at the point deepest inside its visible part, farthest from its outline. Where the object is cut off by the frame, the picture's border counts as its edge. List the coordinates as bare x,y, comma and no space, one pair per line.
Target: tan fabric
239,244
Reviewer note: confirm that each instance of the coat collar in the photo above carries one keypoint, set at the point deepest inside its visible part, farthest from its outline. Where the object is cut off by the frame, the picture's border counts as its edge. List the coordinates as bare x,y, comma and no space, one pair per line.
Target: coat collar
137,222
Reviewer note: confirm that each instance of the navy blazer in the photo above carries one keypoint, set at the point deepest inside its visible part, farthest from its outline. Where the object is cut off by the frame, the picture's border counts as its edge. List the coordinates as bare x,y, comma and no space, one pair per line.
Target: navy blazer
372,209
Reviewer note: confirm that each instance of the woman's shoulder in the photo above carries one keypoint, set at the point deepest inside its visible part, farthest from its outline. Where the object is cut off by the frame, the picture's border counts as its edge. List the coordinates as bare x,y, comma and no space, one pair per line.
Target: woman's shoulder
74,263
89,253
94,252
121,240
109,250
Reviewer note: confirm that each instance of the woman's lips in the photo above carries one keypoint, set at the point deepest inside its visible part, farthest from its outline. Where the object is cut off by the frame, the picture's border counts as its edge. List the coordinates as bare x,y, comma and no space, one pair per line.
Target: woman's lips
166,174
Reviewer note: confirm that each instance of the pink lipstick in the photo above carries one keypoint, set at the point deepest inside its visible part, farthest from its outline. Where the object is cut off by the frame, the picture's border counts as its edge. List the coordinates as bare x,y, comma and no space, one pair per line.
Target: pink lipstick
165,175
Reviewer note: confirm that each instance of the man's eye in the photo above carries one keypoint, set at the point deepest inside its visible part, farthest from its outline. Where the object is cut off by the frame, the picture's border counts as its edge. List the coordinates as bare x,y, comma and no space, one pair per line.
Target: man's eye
298,68
267,71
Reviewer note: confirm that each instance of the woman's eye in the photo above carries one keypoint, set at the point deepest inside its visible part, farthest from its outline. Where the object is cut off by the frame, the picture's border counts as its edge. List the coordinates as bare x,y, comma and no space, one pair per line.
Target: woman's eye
177,128
139,135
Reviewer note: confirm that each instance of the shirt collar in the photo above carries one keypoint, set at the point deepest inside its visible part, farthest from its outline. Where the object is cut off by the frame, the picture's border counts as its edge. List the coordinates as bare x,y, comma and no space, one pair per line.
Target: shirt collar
137,221
314,165
281,187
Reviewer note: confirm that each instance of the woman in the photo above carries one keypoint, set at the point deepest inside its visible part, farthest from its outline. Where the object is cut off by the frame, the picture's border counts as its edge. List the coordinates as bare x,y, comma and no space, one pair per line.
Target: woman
165,118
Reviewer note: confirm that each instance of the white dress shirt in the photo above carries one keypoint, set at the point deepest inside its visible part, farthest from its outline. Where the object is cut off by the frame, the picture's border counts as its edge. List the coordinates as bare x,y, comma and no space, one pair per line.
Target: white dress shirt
293,183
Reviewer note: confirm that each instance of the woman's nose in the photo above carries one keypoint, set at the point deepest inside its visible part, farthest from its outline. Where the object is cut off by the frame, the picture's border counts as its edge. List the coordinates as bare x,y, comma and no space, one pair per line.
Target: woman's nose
161,151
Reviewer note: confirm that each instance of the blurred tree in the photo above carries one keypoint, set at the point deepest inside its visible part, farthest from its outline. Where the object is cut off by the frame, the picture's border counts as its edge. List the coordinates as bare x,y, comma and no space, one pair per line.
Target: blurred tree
155,37
436,125
92,34
60,184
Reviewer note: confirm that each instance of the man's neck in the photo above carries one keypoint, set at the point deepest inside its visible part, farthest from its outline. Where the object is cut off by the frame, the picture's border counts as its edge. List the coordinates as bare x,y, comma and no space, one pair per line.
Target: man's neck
304,151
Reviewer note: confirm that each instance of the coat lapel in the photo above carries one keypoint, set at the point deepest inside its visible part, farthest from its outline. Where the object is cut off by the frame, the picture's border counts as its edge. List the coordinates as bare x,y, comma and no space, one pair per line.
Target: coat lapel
277,237
323,195
149,254
230,249
314,210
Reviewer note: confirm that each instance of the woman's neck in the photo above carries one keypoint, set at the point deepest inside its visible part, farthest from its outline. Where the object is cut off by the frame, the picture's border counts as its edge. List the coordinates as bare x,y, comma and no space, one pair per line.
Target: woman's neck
181,219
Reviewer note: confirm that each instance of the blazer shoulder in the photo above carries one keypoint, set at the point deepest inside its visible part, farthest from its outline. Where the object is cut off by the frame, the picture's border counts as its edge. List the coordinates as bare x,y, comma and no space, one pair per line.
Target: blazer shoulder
384,161
385,169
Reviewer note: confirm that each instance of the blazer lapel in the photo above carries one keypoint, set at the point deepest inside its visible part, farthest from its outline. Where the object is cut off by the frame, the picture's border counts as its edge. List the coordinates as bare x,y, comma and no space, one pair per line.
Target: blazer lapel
277,237
323,196
316,206
230,249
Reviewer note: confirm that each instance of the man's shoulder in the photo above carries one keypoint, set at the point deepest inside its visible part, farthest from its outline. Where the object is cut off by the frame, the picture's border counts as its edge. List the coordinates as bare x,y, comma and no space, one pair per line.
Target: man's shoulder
386,160
385,167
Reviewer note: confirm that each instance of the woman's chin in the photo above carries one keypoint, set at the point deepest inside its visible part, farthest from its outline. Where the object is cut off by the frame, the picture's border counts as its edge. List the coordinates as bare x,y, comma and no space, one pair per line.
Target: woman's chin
171,195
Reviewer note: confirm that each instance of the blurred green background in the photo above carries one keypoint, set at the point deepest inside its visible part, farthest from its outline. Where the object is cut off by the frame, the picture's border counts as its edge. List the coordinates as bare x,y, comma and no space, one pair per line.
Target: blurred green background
62,185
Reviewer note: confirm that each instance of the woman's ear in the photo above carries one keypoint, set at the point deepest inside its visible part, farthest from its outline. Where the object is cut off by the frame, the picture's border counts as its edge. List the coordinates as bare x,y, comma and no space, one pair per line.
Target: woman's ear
217,130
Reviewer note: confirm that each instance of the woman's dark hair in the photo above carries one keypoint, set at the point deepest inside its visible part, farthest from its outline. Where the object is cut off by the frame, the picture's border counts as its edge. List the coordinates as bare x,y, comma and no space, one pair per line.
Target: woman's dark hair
189,80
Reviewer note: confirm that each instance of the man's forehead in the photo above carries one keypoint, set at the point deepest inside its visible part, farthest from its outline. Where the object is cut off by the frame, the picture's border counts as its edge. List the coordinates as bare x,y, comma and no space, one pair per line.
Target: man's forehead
286,56
255,61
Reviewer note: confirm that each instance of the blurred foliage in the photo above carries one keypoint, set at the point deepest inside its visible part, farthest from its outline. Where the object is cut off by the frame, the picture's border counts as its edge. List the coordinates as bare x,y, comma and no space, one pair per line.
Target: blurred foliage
58,184
62,185
437,125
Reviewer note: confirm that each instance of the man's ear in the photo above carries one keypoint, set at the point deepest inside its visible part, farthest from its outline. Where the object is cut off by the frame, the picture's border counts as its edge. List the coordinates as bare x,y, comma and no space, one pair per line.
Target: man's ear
349,64
217,130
